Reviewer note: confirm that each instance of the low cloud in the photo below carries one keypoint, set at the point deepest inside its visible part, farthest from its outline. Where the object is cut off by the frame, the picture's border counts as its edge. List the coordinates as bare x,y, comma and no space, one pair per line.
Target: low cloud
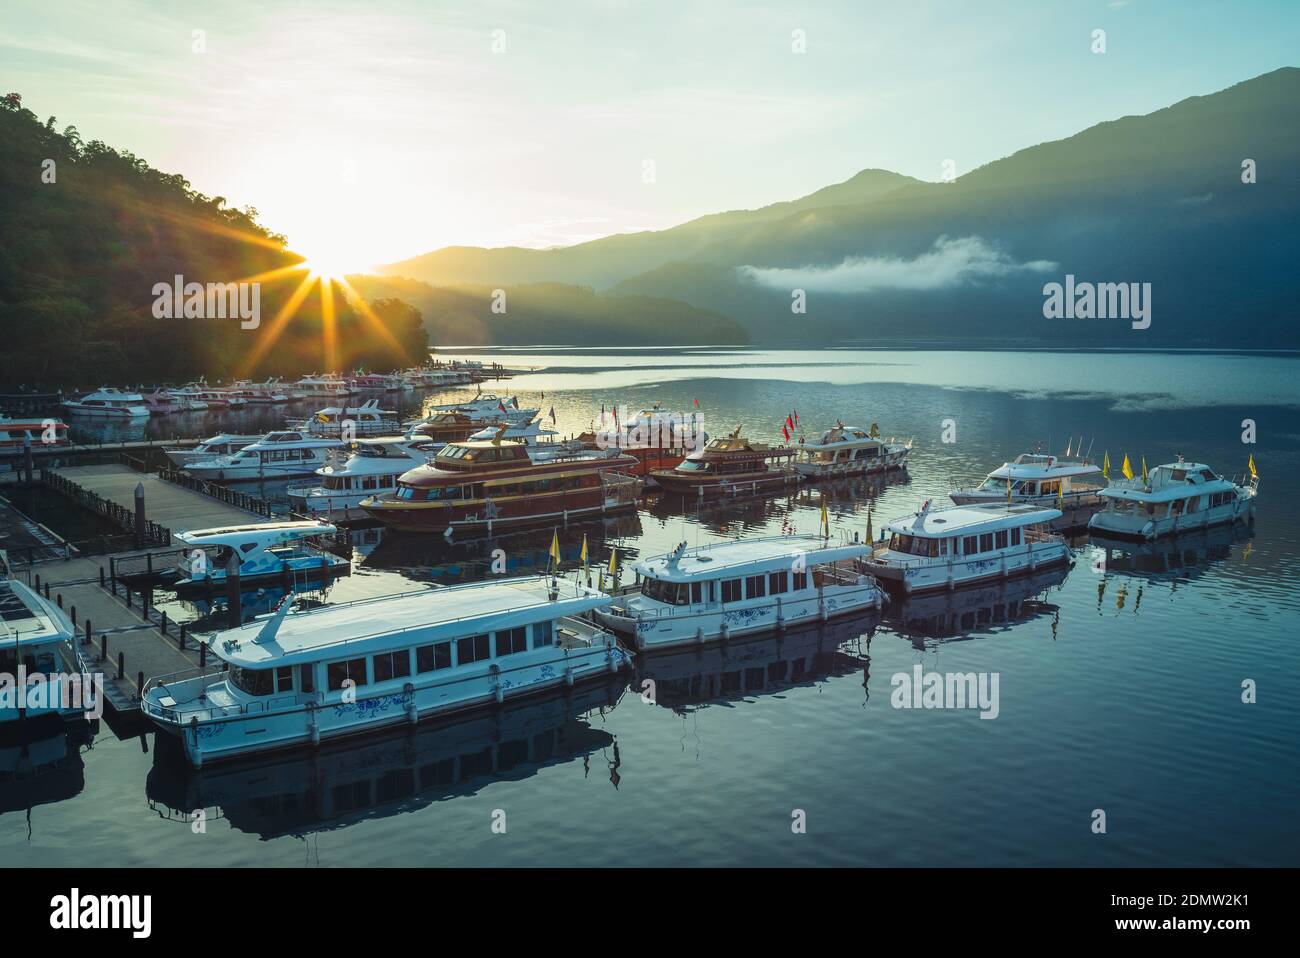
949,263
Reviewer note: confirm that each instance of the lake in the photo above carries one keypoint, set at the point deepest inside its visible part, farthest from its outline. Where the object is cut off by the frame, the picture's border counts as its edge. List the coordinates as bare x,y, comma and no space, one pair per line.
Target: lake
1120,690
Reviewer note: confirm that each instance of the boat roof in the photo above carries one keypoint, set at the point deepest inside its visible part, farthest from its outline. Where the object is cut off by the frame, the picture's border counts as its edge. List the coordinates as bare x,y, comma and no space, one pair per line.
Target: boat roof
29,618
399,621
1036,466
271,532
969,520
745,557
1170,481
285,437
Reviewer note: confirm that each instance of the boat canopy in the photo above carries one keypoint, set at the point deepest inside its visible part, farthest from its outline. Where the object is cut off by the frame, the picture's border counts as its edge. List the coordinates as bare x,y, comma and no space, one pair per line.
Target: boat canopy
267,534
745,557
970,520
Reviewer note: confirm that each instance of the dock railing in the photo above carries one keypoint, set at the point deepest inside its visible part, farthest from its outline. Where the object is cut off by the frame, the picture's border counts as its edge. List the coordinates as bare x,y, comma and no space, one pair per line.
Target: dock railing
231,497
124,518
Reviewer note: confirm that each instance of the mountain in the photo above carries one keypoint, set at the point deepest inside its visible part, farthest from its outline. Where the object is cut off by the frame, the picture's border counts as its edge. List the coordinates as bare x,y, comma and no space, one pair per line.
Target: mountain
553,313
1156,199
87,239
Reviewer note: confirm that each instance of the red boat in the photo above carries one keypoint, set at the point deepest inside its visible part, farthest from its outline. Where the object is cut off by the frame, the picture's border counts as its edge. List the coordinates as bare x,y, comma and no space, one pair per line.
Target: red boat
656,439
481,486
731,466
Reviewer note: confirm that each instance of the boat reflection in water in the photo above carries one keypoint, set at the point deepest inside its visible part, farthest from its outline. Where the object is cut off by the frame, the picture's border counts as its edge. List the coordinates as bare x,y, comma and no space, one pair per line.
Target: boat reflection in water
1181,556
967,612
40,761
433,558
346,782
687,680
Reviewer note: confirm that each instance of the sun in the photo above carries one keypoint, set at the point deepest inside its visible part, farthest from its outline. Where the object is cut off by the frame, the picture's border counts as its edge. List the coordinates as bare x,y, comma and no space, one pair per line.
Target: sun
333,263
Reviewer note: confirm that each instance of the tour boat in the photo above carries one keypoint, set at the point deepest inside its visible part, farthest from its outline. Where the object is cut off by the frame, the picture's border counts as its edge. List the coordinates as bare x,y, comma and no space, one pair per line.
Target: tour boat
487,485
454,426
45,674
269,393
491,405
656,438
1039,480
1175,497
268,552
727,589
946,548
15,434
365,420
328,386
301,678
188,398
381,382
222,398
222,444
109,403
731,465
371,469
850,451
160,402
277,455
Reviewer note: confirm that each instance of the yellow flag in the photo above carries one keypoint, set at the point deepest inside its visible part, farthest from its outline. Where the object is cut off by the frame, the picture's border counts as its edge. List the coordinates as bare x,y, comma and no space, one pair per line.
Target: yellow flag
1105,466
555,547
826,520
1060,492
1126,468
1251,466
613,561
584,548
1144,471
1008,490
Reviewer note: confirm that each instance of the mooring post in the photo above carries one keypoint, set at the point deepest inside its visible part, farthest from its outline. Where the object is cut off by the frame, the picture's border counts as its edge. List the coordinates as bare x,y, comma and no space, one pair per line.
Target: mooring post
28,459
233,597
141,529
121,665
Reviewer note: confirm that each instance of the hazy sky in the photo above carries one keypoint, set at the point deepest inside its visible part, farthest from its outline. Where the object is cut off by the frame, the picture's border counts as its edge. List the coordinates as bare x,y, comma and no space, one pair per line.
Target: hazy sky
371,131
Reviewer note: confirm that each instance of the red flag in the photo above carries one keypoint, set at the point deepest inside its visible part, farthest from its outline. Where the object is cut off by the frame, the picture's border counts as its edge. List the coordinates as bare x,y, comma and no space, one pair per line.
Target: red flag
697,403
789,423
501,405
796,417
785,433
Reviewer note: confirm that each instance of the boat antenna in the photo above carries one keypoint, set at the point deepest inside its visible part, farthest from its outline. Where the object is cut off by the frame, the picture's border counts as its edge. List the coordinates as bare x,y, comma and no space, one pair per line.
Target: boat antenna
1088,454
272,626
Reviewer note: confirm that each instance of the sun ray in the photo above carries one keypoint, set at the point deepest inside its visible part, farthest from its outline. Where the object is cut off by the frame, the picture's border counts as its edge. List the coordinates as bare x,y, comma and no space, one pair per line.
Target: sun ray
328,331
368,314
276,327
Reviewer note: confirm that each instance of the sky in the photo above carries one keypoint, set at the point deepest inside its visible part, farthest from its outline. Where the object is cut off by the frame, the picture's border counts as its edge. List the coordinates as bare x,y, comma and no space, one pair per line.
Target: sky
370,132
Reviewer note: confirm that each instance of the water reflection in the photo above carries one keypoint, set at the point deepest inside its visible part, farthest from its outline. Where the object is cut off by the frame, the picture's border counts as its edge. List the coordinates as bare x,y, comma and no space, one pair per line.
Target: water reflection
41,764
343,783
965,613
1184,556
691,679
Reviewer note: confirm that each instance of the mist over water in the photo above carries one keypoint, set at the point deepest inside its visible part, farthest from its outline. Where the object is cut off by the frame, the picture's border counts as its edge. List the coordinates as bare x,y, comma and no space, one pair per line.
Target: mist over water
1119,691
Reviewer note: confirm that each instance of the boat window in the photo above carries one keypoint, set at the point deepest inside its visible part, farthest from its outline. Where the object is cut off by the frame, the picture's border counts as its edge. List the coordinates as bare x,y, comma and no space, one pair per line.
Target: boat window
511,641
543,634
307,678
1000,539
284,678
692,465
731,590
800,581
697,592
986,542
248,547
1015,536
349,669
430,658
252,681
473,648
392,665
1207,475
1178,475
778,582
755,587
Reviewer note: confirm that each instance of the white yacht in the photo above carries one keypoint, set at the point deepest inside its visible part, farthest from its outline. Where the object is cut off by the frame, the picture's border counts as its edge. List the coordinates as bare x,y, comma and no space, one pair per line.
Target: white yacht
39,655
222,444
300,678
190,398
946,548
269,551
736,588
269,393
368,419
1175,497
1040,480
850,451
490,404
109,403
371,469
328,386
277,455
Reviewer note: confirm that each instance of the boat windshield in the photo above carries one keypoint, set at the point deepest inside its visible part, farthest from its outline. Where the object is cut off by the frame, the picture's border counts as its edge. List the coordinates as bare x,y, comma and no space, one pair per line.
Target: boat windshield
692,465
913,545
252,681
673,593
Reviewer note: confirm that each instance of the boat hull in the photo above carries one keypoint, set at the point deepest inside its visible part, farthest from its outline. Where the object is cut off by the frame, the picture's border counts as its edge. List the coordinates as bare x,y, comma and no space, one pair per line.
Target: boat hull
700,626
813,471
303,724
1141,527
743,484
914,577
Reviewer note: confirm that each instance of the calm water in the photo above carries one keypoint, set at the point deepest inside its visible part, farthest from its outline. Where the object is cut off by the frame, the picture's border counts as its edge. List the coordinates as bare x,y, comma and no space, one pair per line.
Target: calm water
1119,691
